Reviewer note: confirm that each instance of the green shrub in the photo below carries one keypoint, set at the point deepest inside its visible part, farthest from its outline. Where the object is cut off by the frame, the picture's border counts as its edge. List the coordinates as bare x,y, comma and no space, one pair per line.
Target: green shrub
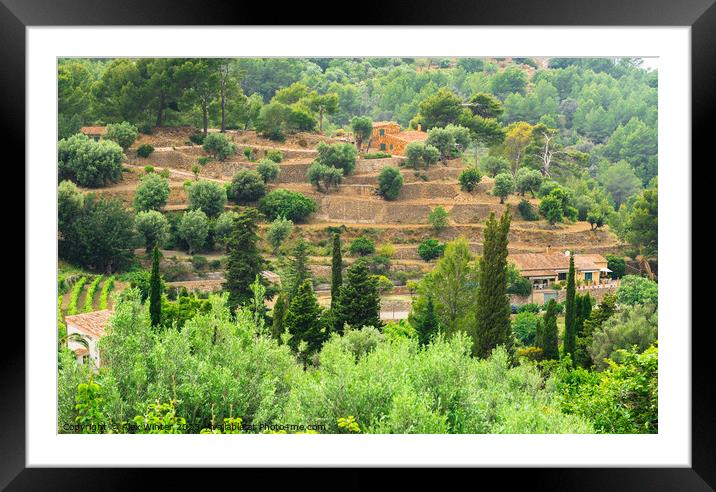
291,205
377,155
390,182
617,265
144,150
199,262
430,249
197,138
146,129
152,193
362,246
469,178
249,154
247,186
208,196
438,218
338,155
123,133
268,169
204,160
524,327
219,145
527,211
274,155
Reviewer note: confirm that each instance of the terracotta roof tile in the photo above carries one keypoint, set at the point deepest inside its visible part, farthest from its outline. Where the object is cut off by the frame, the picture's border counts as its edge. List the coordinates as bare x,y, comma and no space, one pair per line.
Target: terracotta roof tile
92,324
537,263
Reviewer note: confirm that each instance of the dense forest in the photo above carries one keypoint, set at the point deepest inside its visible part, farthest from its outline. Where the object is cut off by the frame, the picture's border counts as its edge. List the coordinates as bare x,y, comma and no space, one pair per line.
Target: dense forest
574,140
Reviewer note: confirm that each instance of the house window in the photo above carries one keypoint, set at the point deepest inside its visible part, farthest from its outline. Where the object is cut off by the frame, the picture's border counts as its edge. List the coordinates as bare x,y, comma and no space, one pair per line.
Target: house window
562,276
382,146
381,132
391,146
588,276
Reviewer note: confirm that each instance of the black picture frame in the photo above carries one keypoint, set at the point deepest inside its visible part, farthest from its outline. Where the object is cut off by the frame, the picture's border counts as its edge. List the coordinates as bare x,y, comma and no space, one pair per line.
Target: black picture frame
16,15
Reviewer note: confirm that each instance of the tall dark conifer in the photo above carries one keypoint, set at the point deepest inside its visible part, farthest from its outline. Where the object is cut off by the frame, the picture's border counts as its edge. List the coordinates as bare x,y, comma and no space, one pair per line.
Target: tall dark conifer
492,327
546,338
427,323
155,290
358,299
570,312
304,320
298,268
279,316
245,261
336,268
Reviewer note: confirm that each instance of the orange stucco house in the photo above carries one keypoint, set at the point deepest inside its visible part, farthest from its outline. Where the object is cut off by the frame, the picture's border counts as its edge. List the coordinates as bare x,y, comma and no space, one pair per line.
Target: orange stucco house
388,137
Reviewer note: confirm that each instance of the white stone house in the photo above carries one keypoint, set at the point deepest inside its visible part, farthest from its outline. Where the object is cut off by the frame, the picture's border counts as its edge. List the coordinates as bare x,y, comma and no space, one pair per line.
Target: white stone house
91,326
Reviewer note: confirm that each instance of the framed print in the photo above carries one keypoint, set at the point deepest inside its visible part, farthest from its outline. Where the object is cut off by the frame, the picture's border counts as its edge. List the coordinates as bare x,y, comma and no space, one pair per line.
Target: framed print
437,241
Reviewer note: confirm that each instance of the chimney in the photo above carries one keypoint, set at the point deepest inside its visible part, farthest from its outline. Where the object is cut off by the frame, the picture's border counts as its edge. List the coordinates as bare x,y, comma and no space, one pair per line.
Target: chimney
420,127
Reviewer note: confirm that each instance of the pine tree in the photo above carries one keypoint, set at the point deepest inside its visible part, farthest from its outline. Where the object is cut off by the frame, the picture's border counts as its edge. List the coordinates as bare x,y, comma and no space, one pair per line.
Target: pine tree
427,324
492,326
298,267
155,290
304,319
336,268
245,261
547,336
279,316
358,299
570,312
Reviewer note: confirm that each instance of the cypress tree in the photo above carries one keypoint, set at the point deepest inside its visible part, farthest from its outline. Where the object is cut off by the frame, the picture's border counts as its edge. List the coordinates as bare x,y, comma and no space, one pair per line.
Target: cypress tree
245,261
336,268
492,326
279,316
570,312
547,334
427,324
298,267
304,319
358,299
155,290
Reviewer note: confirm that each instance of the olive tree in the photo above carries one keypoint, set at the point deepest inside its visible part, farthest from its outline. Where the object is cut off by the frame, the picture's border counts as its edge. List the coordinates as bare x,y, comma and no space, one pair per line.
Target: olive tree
152,193
153,227
194,229
208,197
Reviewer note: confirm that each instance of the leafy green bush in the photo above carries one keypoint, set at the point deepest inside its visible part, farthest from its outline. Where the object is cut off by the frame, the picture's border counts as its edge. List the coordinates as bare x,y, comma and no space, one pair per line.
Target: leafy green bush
321,174
247,186
617,265
527,211
524,327
390,182
637,290
197,138
469,178
292,205
89,163
145,150
123,133
208,197
153,226
152,193
339,155
438,218
362,246
431,249
194,229
274,155
219,145
377,155
268,169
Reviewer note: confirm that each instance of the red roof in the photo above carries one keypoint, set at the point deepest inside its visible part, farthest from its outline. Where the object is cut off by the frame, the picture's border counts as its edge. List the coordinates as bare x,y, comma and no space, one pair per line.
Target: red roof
92,324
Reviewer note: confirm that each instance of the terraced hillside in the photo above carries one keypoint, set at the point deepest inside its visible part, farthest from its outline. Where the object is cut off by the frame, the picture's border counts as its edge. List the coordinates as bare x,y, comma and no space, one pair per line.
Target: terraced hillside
356,205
